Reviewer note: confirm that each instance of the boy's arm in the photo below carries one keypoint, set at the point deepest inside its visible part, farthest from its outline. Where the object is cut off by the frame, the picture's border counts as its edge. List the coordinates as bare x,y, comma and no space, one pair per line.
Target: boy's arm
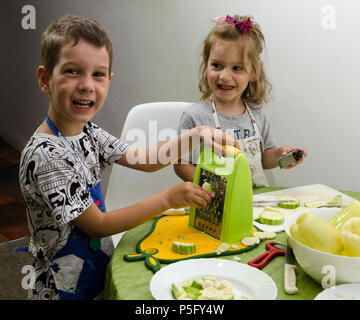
185,171
98,224
161,155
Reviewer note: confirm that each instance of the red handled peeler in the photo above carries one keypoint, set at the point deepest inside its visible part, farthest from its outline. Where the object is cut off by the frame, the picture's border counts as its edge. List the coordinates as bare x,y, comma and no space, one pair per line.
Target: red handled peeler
273,249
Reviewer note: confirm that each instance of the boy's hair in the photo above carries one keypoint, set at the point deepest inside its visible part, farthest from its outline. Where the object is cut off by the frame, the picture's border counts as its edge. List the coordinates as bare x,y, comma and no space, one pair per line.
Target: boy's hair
252,43
72,28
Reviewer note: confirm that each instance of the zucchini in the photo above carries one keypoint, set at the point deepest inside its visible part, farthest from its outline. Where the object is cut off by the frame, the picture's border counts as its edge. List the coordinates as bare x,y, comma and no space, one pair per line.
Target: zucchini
207,186
271,217
183,248
295,202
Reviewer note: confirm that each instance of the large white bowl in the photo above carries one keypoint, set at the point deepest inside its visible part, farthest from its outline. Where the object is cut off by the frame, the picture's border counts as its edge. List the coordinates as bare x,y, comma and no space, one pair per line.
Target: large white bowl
322,265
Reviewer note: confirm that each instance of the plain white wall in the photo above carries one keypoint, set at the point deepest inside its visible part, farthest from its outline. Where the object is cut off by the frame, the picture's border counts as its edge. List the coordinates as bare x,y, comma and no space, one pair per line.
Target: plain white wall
314,71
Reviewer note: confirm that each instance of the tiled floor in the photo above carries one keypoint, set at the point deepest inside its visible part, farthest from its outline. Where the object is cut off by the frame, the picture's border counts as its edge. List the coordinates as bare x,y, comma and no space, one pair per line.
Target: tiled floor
13,223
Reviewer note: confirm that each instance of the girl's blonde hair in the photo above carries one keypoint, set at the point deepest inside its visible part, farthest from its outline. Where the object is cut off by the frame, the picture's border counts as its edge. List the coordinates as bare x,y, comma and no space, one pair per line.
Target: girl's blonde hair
252,43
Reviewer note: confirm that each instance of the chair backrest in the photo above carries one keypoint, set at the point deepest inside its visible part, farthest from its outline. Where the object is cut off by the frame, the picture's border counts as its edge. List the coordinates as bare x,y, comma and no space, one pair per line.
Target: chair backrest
149,124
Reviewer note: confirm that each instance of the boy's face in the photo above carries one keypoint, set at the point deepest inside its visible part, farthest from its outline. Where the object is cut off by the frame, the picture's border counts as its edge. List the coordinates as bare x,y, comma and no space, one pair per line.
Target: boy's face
78,85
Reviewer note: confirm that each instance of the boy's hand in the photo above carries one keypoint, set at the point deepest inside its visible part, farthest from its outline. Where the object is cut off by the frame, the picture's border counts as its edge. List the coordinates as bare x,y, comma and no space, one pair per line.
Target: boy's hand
216,139
187,194
286,149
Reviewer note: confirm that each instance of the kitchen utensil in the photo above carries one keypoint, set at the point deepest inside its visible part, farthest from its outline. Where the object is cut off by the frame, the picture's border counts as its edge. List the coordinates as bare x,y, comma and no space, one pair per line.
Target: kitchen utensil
273,249
264,202
346,291
289,272
229,215
323,265
290,158
257,285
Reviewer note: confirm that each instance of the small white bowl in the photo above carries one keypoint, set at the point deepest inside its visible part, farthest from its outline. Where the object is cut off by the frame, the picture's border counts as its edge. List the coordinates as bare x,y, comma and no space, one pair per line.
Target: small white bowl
322,266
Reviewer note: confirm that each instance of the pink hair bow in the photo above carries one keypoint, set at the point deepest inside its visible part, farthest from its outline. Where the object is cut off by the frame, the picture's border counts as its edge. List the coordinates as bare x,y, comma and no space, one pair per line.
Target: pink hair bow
243,26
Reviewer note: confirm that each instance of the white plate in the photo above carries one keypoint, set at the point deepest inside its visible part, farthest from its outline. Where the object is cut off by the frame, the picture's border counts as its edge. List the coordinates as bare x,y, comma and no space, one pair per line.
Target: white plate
256,284
346,291
314,192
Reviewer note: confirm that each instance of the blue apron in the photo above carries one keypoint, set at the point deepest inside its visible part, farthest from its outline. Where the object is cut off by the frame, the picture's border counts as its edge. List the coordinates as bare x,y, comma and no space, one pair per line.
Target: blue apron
92,277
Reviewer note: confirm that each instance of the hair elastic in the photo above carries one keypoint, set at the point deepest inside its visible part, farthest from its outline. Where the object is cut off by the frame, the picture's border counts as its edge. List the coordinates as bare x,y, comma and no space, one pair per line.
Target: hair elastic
242,26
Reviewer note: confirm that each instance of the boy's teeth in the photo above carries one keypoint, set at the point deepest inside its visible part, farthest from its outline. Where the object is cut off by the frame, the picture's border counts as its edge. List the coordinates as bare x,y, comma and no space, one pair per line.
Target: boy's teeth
83,103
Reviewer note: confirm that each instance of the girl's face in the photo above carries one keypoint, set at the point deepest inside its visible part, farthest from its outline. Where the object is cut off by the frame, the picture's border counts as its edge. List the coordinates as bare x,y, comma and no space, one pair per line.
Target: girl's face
228,73
78,85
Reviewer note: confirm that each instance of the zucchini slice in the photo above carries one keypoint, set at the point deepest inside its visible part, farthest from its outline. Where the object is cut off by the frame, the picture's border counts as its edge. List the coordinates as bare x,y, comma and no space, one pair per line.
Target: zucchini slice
271,217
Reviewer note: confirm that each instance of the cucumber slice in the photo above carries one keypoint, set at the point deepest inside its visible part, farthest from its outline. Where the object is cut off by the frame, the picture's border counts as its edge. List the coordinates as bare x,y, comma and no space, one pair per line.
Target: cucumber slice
183,248
291,205
271,218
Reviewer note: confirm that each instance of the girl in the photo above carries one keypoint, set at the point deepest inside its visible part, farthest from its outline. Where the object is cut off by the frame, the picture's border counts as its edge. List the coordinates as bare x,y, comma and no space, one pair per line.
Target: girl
234,86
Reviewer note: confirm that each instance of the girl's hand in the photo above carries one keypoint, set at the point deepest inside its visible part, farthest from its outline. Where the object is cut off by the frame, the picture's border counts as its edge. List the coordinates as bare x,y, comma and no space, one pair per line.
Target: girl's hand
286,149
216,139
187,194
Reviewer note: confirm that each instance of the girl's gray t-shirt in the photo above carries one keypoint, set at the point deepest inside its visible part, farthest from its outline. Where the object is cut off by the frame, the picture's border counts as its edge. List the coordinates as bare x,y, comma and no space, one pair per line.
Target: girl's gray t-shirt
239,127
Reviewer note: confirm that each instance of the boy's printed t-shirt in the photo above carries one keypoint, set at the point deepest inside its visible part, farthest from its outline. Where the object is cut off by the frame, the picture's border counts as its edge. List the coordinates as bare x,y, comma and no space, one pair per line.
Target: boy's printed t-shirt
53,185
239,127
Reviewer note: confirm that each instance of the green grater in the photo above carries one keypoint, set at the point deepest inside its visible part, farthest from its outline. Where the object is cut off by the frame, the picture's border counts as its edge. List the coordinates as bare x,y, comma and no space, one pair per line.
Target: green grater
229,216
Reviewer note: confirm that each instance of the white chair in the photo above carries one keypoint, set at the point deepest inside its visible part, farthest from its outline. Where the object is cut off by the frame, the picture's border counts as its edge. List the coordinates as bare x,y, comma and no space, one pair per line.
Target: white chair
148,124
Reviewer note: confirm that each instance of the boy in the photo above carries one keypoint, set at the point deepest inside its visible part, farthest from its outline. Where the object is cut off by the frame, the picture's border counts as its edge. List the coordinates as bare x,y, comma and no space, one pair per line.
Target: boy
61,164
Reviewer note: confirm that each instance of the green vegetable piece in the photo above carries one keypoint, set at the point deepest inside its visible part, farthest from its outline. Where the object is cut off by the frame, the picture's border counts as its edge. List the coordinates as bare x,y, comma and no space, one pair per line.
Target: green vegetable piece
290,205
271,218
207,186
192,292
183,248
313,204
177,291
198,284
337,200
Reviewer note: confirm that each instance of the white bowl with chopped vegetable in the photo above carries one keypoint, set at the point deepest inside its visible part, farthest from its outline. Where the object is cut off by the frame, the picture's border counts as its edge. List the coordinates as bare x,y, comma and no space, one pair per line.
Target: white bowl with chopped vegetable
319,249
211,279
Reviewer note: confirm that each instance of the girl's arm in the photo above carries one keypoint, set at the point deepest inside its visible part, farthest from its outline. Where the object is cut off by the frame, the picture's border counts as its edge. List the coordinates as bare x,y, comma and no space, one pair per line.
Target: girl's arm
97,224
185,171
270,156
161,155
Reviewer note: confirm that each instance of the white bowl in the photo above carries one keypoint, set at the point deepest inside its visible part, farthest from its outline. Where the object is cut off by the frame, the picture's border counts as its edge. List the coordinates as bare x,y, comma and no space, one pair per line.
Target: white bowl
323,267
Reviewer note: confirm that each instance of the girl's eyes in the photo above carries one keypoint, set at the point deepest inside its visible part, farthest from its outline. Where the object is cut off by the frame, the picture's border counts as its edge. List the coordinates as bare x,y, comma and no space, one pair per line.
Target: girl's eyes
219,66
99,74
238,68
216,65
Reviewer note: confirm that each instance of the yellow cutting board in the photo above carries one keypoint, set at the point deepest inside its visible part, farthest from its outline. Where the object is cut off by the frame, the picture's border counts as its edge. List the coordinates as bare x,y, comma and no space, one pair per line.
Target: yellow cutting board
156,246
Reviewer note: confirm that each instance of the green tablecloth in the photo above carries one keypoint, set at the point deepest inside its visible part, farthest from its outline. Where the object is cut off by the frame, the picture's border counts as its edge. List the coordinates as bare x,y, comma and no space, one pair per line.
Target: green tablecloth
130,280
